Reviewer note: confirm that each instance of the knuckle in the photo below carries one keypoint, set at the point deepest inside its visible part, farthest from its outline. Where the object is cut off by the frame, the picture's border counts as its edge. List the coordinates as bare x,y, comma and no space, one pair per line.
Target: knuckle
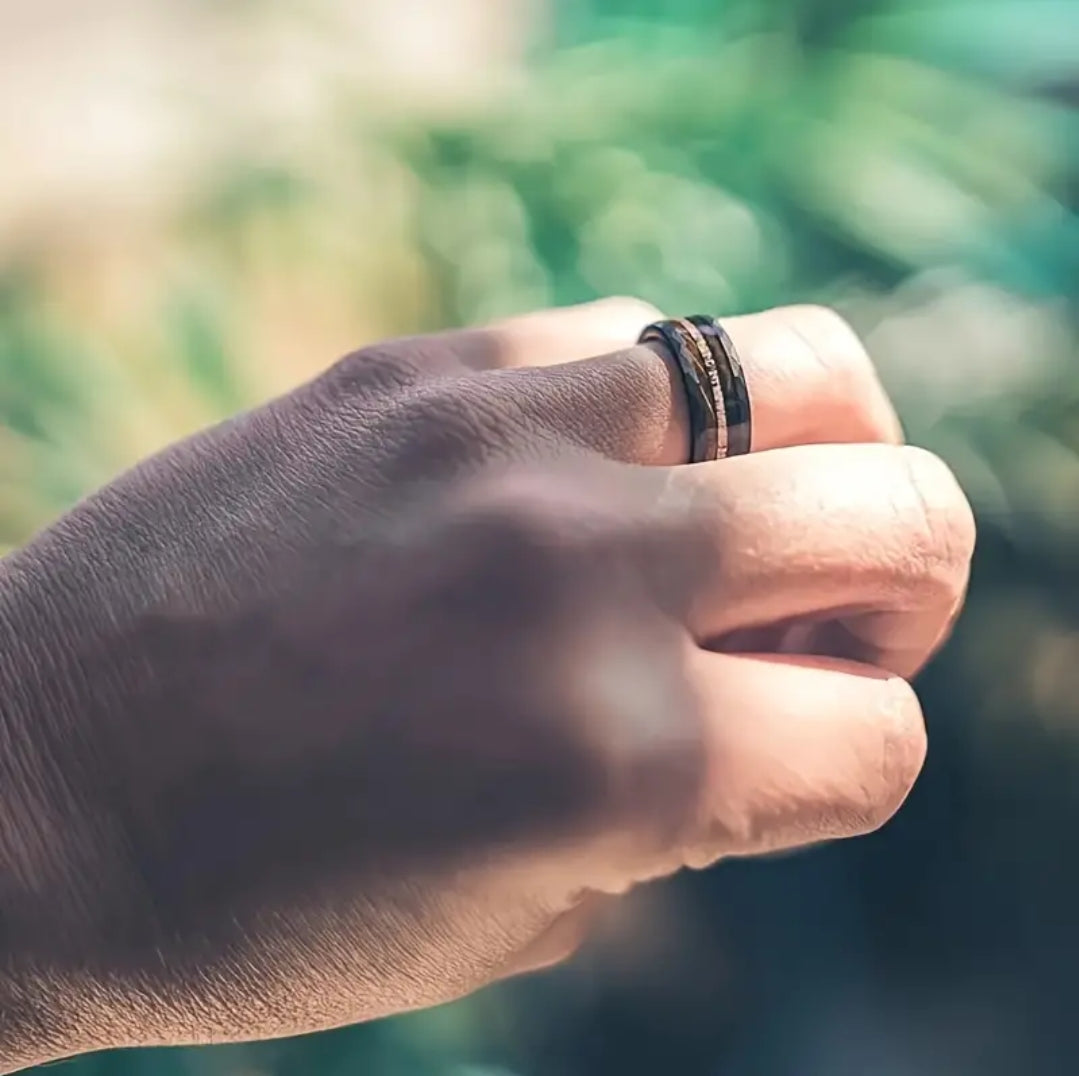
638,733
890,751
843,375
557,534
903,748
519,529
391,366
833,342
943,527
379,368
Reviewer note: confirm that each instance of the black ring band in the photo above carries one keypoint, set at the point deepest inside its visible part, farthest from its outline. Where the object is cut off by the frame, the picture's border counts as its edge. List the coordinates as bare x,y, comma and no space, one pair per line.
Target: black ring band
732,380
702,400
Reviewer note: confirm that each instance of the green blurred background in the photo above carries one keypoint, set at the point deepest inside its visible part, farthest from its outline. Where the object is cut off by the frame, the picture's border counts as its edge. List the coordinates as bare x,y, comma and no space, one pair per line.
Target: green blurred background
203,203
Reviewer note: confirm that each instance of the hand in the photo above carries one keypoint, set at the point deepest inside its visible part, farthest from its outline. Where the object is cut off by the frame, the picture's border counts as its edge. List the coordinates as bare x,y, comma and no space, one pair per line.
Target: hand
367,697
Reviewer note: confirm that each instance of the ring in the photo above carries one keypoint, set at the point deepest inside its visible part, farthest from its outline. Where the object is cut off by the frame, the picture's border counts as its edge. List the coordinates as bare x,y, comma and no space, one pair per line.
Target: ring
684,343
716,392
732,379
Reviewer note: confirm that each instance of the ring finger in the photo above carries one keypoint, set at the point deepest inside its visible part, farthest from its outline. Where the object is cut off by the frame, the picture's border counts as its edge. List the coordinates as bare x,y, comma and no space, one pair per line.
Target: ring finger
810,380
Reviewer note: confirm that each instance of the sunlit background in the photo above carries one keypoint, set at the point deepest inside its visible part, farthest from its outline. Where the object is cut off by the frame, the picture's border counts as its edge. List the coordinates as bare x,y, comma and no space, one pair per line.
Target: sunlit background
202,202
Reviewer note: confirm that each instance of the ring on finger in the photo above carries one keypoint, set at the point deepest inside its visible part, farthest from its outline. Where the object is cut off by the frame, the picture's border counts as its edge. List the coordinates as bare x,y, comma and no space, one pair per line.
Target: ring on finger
717,395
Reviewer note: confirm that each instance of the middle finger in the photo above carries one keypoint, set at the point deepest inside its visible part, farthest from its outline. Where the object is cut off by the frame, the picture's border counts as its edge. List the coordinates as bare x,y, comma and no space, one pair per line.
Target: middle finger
865,547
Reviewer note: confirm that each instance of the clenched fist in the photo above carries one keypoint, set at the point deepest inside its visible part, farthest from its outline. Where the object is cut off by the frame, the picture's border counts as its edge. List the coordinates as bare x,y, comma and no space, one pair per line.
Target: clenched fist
369,696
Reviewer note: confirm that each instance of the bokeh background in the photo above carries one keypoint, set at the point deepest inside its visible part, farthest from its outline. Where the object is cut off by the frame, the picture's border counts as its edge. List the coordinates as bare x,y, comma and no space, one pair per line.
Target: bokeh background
202,203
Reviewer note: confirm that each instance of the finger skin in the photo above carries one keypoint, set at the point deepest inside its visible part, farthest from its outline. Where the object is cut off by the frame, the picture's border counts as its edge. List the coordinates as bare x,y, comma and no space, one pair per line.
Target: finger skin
876,539
811,380
801,750
563,937
580,373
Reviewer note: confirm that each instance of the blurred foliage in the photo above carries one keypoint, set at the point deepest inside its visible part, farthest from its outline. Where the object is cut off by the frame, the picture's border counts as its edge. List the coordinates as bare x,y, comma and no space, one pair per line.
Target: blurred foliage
916,164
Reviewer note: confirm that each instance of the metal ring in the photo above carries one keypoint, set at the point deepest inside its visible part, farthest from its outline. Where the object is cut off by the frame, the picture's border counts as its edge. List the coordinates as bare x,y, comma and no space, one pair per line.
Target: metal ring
734,391
686,345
